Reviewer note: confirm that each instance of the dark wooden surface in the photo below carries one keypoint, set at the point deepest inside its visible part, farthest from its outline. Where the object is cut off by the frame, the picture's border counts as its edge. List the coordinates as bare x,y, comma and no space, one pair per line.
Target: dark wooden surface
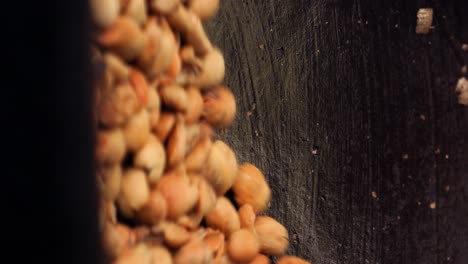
352,80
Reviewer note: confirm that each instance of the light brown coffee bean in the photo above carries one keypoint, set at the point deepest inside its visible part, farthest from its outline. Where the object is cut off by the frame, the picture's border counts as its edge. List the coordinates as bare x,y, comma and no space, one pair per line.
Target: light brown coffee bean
179,194
260,259
223,217
247,216
118,105
196,159
110,178
152,158
165,125
176,144
242,246
221,167
195,252
174,97
250,187
194,106
136,9
110,146
219,107
272,235
137,130
124,37
104,12
204,9
154,210
134,192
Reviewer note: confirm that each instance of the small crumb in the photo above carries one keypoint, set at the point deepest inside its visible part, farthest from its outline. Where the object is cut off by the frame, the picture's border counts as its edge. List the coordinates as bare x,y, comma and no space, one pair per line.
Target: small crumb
464,69
423,117
447,188
433,205
271,30
419,203
465,47
405,156
429,42
314,150
396,25
446,156
461,89
261,46
326,22
367,22
249,113
413,61
437,151
256,133
424,20
374,194
398,217
222,131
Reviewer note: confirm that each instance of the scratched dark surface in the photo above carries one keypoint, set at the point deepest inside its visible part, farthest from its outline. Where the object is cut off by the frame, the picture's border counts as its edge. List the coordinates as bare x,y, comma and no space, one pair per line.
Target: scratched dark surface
352,81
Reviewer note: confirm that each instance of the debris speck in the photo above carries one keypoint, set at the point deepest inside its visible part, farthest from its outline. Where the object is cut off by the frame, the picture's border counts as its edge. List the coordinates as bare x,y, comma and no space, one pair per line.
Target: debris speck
326,22
424,20
374,194
367,22
314,150
464,69
429,42
465,47
461,89
419,203
437,151
423,117
398,217
446,156
447,188
433,205
396,25
405,156
249,113
261,46
413,61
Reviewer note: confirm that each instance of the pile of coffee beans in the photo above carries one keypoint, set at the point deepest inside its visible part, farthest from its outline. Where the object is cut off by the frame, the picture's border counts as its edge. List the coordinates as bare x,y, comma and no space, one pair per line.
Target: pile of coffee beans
162,175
